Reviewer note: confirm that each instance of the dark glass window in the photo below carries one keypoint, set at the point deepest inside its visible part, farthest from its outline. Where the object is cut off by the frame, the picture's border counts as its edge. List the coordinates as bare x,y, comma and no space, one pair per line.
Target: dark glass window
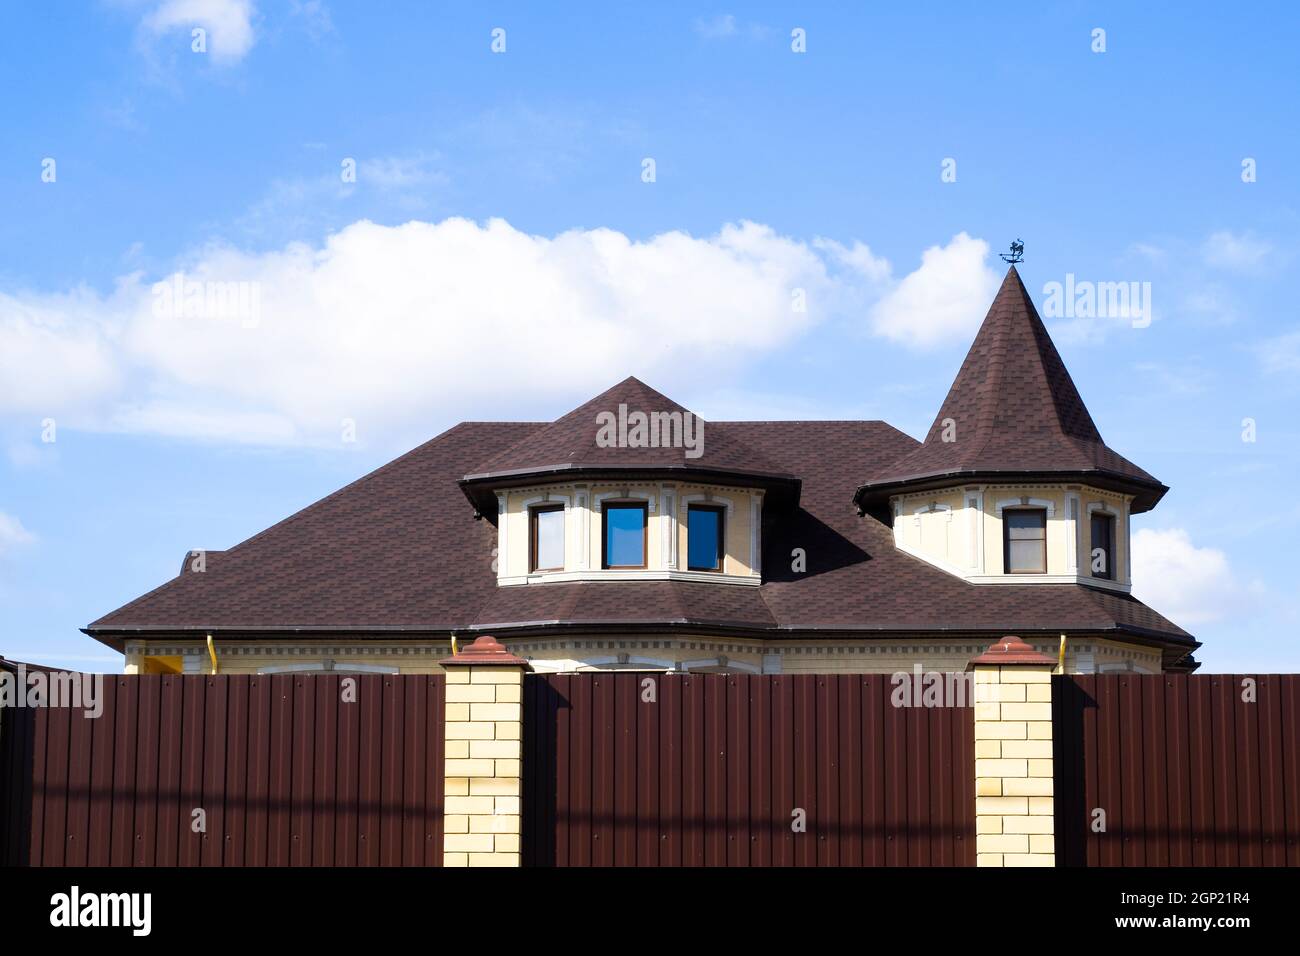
1102,557
704,541
1024,540
625,542
546,541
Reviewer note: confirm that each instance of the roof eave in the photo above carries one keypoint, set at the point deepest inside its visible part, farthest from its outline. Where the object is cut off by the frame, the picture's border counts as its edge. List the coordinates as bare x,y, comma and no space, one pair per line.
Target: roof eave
480,489
1146,495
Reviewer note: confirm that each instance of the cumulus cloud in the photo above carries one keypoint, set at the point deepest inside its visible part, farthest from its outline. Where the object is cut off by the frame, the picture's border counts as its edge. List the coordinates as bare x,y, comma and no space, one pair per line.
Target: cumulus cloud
12,534
57,352
941,302
1187,584
1235,252
229,24
403,329
394,323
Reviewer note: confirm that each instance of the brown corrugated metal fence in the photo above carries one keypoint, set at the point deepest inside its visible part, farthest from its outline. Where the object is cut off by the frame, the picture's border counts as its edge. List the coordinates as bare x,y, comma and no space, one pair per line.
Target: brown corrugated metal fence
287,772
714,769
1188,770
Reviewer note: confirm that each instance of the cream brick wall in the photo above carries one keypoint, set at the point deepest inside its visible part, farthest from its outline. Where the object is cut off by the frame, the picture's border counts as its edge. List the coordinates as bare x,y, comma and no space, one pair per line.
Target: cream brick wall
483,774
1084,655
1014,806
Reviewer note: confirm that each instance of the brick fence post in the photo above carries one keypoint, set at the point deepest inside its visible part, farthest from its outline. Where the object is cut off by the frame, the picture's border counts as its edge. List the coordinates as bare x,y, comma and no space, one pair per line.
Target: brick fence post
1014,808
483,774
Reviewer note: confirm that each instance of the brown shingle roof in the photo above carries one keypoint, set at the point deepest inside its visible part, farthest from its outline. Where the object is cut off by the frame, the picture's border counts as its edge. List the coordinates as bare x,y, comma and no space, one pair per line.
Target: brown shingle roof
569,442
399,551
1013,410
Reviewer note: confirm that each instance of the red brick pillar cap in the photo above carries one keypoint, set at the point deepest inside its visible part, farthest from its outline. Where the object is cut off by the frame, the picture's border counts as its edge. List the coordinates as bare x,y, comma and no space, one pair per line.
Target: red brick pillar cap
1011,651
486,651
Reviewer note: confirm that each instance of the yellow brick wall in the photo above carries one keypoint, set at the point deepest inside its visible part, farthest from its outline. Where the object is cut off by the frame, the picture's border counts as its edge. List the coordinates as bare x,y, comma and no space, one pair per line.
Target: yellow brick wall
1014,808
483,775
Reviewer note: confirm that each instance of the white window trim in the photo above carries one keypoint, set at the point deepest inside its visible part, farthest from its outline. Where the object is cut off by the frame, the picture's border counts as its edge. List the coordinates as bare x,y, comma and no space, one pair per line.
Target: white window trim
1104,507
707,498
547,499
1026,502
1073,536
627,495
974,498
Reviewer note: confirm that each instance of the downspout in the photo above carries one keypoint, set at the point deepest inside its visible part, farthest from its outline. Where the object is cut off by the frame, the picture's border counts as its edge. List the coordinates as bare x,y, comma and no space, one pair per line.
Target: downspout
1060,657
212,653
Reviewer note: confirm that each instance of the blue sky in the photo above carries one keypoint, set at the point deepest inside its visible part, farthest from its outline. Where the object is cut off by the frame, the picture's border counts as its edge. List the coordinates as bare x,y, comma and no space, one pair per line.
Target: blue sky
500,255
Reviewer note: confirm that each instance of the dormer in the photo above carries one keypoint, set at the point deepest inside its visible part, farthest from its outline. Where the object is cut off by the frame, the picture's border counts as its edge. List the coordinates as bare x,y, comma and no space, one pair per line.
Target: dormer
630,486
1013,483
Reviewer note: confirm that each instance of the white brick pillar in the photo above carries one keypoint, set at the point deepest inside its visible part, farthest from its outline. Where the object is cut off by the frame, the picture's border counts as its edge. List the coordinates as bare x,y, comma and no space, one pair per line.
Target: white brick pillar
483,773
1014,807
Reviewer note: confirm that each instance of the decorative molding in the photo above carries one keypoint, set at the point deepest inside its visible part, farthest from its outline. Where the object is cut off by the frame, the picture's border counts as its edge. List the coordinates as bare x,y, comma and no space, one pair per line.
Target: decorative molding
1025,501
632,574
582,515
708,499
503,537
1072,532
742,666
630,494
325,666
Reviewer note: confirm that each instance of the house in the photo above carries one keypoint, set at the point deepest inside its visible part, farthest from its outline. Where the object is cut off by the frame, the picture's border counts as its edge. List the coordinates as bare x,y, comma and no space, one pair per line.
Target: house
629,534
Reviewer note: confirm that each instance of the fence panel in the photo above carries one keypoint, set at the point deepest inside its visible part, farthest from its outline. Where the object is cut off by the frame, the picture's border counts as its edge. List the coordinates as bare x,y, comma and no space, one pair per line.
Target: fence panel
713,770
286,769
1177,769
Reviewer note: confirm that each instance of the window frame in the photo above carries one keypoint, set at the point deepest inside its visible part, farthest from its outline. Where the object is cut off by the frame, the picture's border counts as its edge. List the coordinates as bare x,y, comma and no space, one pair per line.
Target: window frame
533,512
721,512
644,507
1006,538
1111,524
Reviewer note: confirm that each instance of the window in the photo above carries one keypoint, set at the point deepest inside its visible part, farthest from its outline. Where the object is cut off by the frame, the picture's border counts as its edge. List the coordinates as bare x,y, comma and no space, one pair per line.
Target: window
625,538
546,538
704,541
1102,557
1024,541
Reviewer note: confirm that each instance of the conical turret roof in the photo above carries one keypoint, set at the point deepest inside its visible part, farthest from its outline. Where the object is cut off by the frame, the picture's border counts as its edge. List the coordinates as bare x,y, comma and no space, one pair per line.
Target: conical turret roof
1013,412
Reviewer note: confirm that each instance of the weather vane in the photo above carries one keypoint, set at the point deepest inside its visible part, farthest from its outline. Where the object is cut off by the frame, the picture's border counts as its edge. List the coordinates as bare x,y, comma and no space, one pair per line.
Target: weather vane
1017,253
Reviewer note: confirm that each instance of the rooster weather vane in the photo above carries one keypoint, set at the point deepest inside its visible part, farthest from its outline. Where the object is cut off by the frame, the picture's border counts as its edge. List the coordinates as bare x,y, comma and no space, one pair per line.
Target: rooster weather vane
1017,253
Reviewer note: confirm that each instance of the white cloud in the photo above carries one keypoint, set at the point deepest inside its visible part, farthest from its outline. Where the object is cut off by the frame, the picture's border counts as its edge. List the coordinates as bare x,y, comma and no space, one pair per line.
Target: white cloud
941,302
722,25
57,352
1280,353
12,534
1187,584
404,329
858,257
229,25
395,324
1235,252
